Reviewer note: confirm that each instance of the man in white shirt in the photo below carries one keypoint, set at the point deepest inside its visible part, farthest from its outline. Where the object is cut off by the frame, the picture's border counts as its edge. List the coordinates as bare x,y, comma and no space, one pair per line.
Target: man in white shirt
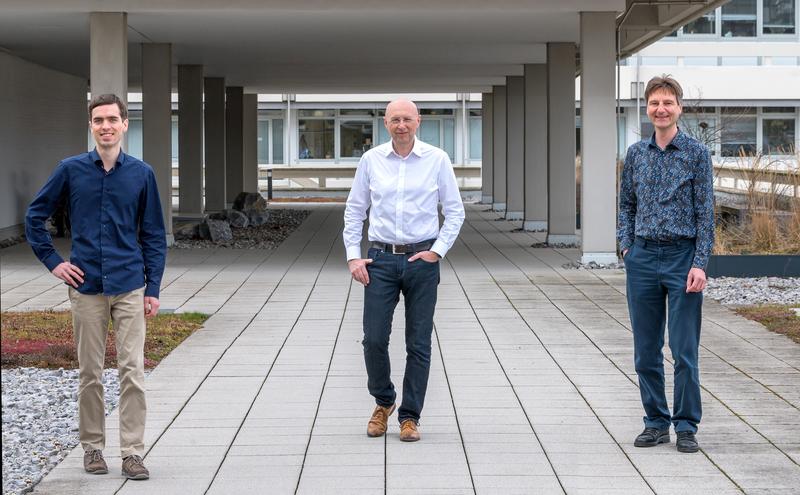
402,184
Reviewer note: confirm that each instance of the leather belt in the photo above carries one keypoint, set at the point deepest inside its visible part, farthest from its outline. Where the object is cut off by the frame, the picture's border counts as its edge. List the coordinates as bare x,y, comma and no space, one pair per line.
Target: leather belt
403,248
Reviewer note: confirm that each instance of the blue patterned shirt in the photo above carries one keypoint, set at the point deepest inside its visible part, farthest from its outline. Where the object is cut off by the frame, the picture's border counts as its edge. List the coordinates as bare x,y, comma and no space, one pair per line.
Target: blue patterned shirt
668,194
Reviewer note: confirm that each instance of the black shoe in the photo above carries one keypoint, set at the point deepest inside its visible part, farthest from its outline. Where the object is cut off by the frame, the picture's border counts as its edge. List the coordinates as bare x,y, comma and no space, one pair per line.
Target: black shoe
651,437
687,442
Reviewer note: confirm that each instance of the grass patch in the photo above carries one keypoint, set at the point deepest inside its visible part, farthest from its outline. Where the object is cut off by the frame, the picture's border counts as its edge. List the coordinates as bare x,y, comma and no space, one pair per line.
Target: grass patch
44,339
777,318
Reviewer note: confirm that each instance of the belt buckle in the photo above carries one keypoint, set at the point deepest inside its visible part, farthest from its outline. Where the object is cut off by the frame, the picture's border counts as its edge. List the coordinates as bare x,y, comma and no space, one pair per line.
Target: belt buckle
394,250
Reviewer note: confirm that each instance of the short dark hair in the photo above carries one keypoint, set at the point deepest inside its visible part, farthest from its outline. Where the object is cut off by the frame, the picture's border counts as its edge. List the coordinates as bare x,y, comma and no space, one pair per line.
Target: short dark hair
664,82
108,99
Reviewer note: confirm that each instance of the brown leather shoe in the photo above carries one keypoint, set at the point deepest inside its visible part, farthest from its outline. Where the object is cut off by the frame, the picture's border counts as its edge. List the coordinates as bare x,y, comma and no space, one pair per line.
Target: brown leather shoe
94,463
380,418
133,468
409,431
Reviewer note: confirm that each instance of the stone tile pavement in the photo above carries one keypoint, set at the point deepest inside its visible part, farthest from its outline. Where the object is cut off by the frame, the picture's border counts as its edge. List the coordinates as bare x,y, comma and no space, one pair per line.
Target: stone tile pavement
532,387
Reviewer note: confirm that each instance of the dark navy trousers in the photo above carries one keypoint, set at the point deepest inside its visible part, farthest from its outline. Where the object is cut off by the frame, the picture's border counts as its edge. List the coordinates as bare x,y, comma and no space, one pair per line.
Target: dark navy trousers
389,276
656,286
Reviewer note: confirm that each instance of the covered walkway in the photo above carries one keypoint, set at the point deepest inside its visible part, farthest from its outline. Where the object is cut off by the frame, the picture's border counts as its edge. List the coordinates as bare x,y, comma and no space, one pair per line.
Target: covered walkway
532,388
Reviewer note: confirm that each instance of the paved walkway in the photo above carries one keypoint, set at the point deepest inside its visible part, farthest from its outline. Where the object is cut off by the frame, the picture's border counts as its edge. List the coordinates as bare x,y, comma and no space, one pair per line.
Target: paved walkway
532,387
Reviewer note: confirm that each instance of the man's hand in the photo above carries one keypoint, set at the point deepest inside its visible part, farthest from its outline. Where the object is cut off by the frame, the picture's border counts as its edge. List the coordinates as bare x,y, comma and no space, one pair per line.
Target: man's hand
69,273
429,256
151,306
624,252
358,269
696,280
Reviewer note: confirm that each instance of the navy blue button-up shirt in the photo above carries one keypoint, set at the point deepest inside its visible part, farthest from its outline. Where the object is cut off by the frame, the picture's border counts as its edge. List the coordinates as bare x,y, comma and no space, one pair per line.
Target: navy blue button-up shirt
668,194
118,236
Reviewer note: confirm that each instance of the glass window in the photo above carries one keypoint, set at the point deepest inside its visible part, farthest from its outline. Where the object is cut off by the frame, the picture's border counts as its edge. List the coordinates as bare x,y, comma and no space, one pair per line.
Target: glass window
475,139
646,128
436,111
738,132
475,112
316,113
784,60
739,18
263,141
778,109
383,134
357,111
449,138
356,138
778,136
316,139
778,17
694,61
701,127
175,140
702,25
659,60
429,132
277,141
739,60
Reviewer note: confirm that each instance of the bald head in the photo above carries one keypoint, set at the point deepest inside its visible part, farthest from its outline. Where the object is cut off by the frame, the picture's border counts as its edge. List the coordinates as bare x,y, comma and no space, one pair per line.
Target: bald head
402,120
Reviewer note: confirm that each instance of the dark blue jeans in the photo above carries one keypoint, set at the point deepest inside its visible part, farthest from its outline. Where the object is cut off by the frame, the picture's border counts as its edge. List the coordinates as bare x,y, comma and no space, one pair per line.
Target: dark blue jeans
390,275
656,285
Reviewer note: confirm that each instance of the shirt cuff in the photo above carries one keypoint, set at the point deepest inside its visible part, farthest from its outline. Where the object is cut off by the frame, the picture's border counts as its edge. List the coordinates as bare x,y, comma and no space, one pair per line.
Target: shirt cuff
52,261
439,248
353,252
151,290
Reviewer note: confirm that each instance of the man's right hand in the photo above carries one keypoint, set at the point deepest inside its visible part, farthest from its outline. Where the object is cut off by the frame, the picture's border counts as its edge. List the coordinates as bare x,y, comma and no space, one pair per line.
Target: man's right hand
358,269
69,273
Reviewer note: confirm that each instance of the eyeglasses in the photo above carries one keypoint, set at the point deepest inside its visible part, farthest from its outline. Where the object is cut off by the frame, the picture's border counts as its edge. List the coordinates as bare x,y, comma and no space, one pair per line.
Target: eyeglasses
397,121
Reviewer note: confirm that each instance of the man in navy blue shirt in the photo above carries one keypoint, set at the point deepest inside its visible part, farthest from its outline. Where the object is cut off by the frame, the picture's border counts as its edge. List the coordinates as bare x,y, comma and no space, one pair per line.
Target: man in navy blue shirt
666,232
114,273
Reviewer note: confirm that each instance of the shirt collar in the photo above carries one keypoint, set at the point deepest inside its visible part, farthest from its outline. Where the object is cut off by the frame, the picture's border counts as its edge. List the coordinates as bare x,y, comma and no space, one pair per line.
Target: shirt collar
416,150
677,142
95,157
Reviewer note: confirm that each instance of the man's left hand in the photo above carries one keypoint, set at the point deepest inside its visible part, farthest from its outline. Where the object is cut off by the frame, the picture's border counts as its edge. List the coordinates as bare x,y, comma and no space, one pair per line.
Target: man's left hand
151,305
429,256
696,280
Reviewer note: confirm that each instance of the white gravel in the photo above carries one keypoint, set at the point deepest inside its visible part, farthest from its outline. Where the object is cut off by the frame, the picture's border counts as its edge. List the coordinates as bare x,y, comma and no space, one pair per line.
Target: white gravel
40,421
763,290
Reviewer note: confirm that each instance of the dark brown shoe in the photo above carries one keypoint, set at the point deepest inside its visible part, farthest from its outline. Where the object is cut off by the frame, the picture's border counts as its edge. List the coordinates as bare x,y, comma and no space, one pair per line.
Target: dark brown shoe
379,420
94,463
133,468
409,431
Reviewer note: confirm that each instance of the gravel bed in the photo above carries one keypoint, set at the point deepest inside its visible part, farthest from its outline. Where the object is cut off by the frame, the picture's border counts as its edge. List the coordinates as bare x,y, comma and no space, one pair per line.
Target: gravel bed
40,421
282,222
763,290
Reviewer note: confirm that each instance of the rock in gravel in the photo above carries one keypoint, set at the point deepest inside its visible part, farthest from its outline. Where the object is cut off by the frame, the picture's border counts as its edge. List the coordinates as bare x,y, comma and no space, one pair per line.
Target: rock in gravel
219,230
238,219
279,224
258,218
249,201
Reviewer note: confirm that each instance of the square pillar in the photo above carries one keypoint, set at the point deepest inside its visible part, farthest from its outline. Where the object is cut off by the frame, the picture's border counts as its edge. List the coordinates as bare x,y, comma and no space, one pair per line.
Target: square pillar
487,169
190,140
598,138
108,56
234,144
535,147
561,207
214,129
157,122
250,143
515,148
499,149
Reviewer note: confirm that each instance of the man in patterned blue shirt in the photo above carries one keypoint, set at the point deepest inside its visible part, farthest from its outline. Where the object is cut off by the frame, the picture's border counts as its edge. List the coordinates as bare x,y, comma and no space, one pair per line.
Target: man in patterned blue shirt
665,233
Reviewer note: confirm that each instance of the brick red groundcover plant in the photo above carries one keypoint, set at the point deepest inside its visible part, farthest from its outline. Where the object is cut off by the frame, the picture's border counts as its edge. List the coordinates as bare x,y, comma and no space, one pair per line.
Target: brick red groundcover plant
44,339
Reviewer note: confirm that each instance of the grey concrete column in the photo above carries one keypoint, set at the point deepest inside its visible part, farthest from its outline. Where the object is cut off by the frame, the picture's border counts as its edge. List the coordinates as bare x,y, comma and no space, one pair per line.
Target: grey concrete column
157,122
535,147
561,143
190,140
108,56
487,169
214,129
234,145
499,149
250,143
515,148
598,138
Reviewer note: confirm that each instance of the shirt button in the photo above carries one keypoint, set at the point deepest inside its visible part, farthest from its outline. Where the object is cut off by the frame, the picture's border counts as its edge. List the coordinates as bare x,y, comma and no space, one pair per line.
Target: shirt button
105,276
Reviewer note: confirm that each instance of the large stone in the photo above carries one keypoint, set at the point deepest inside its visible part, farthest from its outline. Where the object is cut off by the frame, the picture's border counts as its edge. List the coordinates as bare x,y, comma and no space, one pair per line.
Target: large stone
238,219
218,215
219,230
187,231
257,217
249,201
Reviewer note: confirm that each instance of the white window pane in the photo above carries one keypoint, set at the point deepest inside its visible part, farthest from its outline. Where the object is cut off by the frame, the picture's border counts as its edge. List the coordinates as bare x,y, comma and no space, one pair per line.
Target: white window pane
739,18
695,61
475,139
659,60
739,60
263,141
429,132
449,138
779,17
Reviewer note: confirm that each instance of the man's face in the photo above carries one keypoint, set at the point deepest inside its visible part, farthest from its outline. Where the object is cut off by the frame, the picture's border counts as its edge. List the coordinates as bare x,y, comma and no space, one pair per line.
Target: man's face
663,109
401,120
107,125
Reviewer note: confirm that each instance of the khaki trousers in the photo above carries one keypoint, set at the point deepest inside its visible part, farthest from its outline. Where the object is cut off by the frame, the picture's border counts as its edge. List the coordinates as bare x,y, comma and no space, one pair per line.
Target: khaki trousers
90,317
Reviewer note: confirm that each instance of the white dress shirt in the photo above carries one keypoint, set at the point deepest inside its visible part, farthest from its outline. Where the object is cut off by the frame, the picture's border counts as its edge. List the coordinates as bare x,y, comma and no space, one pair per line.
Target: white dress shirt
402,195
